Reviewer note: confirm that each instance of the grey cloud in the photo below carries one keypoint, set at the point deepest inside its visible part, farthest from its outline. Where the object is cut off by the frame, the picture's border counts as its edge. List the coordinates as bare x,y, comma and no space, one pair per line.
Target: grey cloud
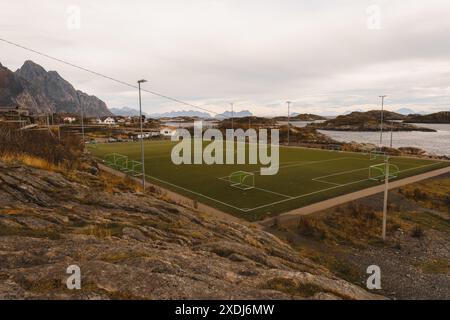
318,54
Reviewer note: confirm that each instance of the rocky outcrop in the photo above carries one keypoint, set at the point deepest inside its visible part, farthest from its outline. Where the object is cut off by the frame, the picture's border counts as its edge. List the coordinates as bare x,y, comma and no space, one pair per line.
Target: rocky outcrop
302,117
305,135
139,246
438,117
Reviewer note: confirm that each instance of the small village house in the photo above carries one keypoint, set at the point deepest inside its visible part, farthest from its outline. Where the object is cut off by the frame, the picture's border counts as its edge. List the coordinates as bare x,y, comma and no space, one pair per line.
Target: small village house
69,119
109,121
167,131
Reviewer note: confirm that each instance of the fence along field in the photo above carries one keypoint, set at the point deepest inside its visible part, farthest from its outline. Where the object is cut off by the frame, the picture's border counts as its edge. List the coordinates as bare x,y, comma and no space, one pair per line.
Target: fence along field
305,176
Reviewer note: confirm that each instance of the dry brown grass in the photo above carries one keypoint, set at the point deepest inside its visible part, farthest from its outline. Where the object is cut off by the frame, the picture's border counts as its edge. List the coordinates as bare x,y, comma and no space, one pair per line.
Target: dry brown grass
32,161
433,194
114,184
40,149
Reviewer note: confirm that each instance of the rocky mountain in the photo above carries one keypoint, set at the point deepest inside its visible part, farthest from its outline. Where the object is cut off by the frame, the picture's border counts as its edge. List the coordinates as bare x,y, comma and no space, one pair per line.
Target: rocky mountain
134,246
40,91
126,112
13,92
182,113
405,111
438,117
9,87
235,114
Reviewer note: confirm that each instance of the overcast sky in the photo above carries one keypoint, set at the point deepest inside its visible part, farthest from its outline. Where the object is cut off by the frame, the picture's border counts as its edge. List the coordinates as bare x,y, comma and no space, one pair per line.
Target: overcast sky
327,57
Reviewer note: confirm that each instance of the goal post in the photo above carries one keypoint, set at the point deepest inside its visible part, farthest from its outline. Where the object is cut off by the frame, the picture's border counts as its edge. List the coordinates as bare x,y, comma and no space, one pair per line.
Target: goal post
116,161
377,154
242,180
134,168
378,172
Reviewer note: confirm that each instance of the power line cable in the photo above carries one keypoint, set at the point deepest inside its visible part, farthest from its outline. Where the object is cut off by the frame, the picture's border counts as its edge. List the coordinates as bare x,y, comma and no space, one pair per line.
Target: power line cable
110,78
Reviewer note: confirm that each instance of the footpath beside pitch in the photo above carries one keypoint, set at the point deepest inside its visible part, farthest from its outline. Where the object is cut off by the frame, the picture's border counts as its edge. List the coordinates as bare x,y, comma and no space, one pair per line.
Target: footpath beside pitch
319,206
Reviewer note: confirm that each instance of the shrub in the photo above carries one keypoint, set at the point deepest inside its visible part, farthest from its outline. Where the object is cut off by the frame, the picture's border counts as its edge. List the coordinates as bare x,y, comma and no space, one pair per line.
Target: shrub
311,228
417,232
419,195
305,227
44,145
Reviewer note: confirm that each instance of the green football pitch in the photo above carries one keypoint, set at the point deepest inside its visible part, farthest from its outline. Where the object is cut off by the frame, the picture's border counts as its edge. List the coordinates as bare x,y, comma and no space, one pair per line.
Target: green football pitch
305,176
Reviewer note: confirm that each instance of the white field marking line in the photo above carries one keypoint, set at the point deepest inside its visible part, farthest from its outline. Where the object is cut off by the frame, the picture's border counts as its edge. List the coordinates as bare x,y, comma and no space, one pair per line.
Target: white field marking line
197,193
350,171
427,165
296,165
276,193
307,194
261,189
300,164
331,188
339,173
320,179
327,182
408,163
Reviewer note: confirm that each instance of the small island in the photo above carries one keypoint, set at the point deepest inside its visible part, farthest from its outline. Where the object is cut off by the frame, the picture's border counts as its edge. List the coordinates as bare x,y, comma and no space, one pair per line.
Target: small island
438,117
369,121
301,117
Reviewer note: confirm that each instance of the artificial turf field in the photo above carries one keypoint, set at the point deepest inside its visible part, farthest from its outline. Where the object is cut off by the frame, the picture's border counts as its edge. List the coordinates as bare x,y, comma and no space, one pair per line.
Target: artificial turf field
305,176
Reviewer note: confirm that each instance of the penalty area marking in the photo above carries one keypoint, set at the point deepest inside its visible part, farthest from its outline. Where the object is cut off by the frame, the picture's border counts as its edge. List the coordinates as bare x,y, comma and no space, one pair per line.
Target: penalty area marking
332,188
257,188
196,193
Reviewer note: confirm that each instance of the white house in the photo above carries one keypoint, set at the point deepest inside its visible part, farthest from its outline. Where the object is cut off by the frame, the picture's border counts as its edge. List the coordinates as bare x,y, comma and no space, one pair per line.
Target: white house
167,131
109,121
69,119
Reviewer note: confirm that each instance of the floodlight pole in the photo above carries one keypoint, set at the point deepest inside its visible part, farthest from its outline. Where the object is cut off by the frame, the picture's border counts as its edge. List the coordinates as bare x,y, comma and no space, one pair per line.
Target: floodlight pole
142,134
232,115
392,132
82,127
289,122
381,120
386,191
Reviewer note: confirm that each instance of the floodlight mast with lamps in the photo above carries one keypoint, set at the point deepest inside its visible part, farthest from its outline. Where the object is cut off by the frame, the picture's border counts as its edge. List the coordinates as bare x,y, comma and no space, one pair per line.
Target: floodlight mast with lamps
142,134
